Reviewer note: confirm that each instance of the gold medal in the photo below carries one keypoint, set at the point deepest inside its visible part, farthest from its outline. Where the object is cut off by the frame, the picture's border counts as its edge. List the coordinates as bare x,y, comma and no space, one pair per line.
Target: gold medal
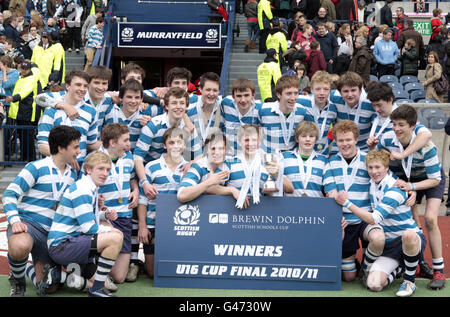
120,200
319,147
55,206
304,195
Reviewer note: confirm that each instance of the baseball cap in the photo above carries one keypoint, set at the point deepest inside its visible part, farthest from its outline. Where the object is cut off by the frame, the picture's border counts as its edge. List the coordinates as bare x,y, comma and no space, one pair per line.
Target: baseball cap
271,52
44,34
275,22
25,65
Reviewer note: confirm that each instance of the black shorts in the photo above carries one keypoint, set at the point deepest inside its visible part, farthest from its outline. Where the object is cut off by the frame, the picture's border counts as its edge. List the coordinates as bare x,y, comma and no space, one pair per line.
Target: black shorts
434,192
393,249
352,235
150,248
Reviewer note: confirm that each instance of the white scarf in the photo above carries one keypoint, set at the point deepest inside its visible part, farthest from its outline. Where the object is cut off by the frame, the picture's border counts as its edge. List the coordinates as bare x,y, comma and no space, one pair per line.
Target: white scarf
377,190
348,181
252,172
204,131
309,164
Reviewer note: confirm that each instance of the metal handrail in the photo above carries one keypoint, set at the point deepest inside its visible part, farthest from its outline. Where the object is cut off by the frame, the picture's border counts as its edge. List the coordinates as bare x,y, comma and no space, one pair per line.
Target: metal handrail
226,51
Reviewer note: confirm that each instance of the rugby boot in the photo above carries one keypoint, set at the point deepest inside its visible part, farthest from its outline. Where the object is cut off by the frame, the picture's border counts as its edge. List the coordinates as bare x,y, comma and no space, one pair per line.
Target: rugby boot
51,275
425,271
18,287
438,281
103,292
133,271
406,289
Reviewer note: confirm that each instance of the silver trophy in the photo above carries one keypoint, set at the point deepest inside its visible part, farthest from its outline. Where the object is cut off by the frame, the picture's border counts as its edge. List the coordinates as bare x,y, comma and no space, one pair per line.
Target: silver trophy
270,185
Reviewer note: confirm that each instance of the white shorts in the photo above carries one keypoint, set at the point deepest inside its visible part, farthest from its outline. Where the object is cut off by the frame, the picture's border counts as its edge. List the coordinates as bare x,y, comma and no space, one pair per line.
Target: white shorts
384,264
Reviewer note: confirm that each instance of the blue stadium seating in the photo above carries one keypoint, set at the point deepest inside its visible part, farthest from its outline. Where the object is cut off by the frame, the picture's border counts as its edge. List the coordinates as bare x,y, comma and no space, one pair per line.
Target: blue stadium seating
409,87
432,118
408,79
427,101
396,86
399,101
389,78
417,95
373,77
400,94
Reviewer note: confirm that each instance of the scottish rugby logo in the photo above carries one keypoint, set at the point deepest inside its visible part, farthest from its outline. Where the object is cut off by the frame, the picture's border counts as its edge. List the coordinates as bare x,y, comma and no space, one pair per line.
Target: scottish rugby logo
127,34
211,36
186,219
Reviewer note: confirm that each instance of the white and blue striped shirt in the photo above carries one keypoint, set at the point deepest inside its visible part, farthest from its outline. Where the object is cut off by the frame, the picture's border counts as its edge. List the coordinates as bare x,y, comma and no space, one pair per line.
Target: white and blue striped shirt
279,130
152,110
199,172
425,162
86,123
237,174
355,181
150,147
362,114
322,118
389,208
117,185
77,213
195,114
39,196
167,182
232,120
114,114
94,38
314,179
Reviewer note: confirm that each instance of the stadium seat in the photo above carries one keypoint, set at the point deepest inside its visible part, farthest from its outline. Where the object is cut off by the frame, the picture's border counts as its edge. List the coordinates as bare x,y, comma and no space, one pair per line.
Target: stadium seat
433,118
400,94
396,86
408,79
388,79
417,95
427,101
399,101
373,77
413,86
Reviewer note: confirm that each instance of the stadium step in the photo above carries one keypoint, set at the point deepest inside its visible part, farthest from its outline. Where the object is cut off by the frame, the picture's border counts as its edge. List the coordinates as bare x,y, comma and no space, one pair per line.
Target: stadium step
7,175
243,64
74,60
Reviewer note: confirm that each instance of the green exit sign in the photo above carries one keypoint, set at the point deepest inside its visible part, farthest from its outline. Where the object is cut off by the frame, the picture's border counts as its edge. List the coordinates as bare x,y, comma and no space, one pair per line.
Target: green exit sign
423,28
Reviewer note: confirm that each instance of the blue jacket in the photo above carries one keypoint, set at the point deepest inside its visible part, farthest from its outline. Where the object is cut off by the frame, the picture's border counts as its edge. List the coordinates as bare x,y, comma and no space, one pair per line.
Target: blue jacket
328,45
386,52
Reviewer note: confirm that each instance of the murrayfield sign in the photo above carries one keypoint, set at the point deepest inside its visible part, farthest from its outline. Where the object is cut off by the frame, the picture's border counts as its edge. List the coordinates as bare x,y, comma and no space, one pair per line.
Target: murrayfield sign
168,35
290,243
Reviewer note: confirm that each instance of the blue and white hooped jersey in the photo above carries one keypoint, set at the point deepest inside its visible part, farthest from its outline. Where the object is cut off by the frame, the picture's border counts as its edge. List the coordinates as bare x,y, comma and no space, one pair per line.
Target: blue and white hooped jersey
117,187
77,213
322,118
167,182
352,178
313,176
362,114
199,172
232,120
389,208
86,123
195,114
421,165
237,174
152,110
150,147
279,130
115,114
39,184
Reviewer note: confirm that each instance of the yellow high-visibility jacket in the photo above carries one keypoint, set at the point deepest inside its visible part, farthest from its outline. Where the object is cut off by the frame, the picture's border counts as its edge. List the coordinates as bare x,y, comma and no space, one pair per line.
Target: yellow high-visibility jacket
59,61
23,106
278,42
44,59
268,74
264,14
